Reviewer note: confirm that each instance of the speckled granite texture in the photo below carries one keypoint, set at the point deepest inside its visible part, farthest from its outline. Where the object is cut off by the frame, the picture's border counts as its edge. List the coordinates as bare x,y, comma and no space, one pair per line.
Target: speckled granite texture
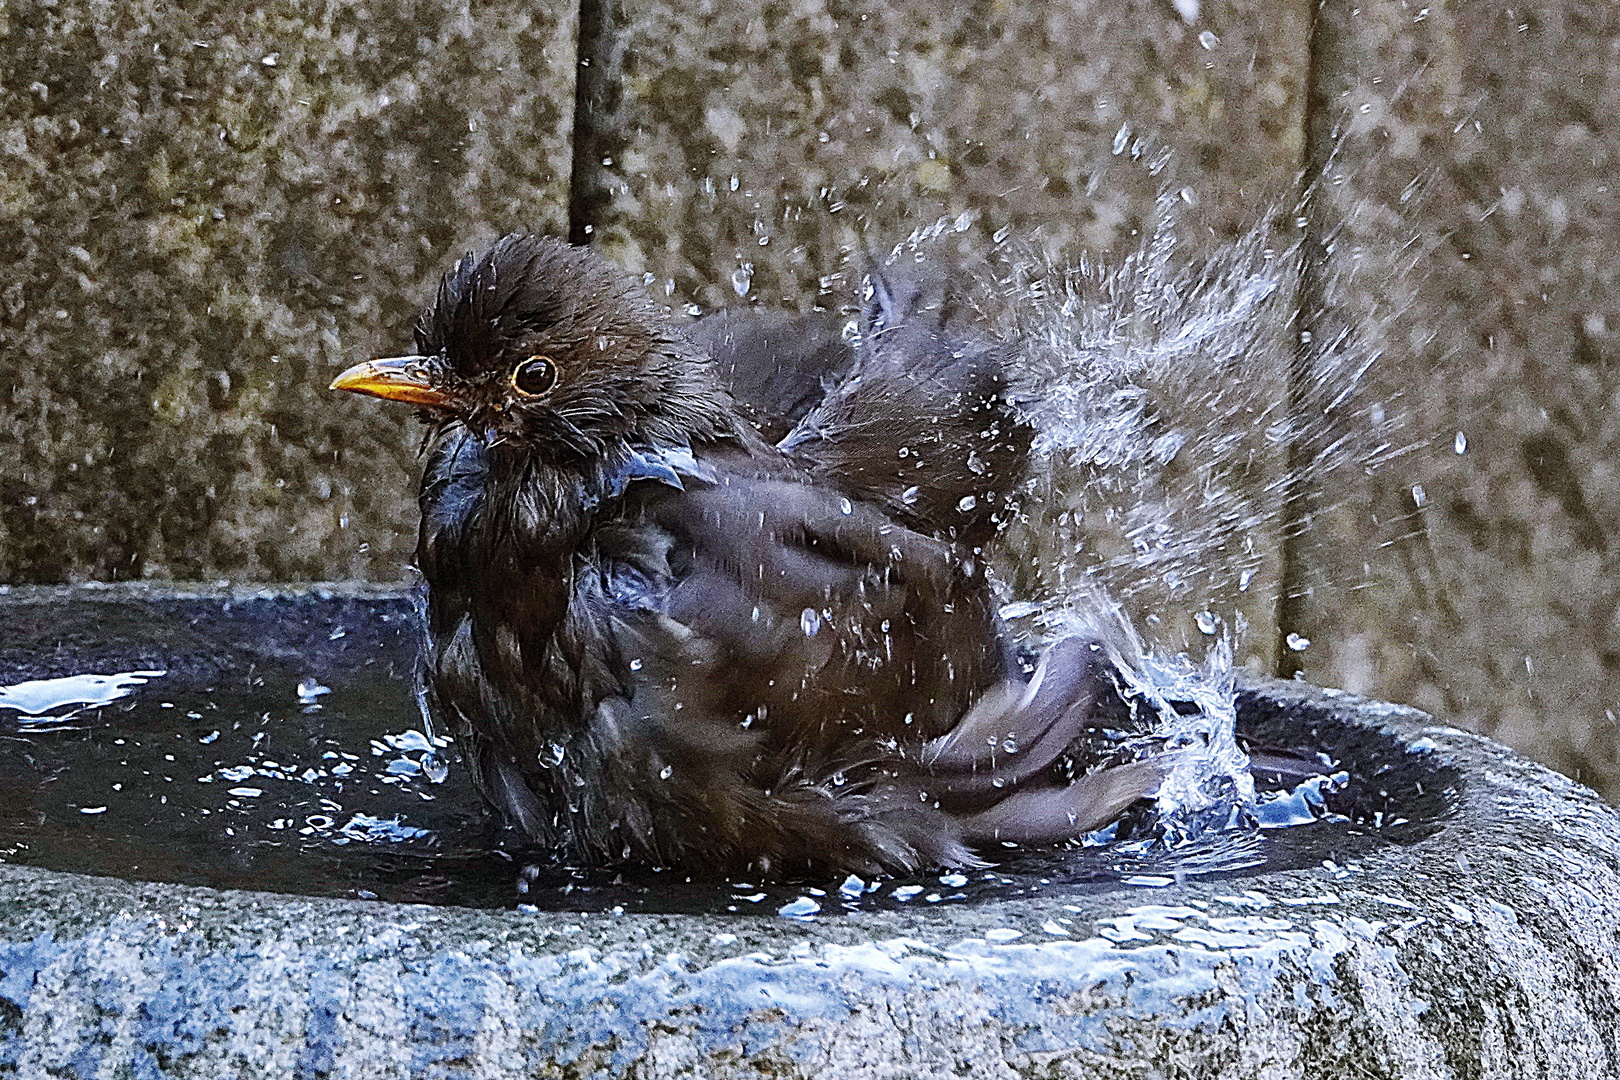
1484,951
208,210
1479,145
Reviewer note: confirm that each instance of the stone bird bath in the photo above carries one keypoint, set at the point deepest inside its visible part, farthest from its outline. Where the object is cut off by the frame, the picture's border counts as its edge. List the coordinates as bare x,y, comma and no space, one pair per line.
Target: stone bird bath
1457,915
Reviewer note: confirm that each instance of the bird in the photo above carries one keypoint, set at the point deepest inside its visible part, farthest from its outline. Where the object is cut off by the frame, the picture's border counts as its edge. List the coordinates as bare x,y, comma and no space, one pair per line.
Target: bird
700,601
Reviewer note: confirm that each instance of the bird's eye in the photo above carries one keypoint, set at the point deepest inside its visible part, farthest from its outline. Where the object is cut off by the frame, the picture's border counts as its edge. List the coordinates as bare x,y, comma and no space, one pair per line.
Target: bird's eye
535,376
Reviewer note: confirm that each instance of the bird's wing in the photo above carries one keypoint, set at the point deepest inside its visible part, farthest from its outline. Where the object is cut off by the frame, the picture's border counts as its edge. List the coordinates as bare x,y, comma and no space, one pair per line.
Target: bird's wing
777,366
853,617
920,423
822,669
786,655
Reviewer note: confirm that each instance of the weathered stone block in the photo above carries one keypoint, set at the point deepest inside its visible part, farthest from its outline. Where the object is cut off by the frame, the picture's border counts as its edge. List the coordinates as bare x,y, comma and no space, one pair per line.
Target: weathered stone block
207,210
777,144
1478,576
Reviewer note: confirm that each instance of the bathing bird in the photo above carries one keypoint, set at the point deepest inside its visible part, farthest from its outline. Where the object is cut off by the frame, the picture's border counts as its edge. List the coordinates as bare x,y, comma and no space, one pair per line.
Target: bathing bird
661,637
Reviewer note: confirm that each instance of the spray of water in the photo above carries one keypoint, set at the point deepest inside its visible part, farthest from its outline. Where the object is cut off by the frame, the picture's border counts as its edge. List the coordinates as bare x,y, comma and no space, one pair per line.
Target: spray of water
1183,413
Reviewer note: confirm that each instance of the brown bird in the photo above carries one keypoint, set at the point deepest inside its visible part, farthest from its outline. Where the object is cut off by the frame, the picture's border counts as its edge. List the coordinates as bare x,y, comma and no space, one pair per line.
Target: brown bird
662,638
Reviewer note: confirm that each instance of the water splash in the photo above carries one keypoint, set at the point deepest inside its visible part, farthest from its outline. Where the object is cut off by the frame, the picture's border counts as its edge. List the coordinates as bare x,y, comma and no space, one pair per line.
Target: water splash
1158,392
1182,412
1191,711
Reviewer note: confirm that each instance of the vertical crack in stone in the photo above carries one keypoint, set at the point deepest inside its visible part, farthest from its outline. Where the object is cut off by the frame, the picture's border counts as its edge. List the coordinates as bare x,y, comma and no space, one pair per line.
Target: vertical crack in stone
1298,492
598,91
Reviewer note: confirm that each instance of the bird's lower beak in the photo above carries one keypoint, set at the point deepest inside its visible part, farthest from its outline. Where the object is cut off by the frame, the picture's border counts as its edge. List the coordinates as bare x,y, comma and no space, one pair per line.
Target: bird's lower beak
398,378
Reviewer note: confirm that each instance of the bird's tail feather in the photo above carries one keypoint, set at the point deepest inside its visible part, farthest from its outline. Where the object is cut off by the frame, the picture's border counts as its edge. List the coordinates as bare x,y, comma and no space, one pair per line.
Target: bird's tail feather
1052,815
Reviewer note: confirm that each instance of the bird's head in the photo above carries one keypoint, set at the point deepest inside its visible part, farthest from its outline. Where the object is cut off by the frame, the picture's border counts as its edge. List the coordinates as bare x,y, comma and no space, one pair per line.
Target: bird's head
546,348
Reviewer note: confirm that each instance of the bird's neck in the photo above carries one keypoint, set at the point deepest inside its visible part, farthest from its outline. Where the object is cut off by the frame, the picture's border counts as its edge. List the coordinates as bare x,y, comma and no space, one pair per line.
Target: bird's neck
501,523
690,409
490,521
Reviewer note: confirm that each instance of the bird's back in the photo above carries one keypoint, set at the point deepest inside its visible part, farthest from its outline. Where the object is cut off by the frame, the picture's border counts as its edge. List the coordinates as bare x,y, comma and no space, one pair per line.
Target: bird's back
915,419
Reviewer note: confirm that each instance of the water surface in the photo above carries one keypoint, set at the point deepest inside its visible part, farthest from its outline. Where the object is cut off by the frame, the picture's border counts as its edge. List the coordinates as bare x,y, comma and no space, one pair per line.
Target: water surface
273,742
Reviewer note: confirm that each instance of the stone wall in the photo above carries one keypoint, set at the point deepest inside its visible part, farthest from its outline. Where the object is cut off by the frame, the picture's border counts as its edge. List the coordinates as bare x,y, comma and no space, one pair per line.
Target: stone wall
204,211
207,210
1478,577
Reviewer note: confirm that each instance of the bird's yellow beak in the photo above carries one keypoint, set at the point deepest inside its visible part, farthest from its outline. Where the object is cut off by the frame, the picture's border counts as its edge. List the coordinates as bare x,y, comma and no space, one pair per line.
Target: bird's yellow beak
398,378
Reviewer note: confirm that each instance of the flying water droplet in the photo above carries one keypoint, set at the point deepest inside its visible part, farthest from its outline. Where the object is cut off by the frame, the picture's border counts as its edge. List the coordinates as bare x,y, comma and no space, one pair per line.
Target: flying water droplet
967,503
666,772
742,279
557,751
1206,622
1298,643
1121,138
810,622
1208,40
1460,443
846,506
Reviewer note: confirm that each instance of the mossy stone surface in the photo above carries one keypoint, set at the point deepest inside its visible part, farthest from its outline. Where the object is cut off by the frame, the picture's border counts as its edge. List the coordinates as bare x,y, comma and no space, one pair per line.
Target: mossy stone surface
782,144
207,211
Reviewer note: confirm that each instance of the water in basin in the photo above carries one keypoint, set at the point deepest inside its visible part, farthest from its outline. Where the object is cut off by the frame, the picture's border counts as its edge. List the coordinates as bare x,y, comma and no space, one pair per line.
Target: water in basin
273,742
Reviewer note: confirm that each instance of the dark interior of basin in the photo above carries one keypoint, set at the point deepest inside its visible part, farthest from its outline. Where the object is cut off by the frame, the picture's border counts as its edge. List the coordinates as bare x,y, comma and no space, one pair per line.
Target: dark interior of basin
281,749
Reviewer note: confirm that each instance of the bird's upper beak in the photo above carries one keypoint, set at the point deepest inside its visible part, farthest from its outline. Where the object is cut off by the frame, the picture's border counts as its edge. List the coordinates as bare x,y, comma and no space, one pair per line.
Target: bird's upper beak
398,378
